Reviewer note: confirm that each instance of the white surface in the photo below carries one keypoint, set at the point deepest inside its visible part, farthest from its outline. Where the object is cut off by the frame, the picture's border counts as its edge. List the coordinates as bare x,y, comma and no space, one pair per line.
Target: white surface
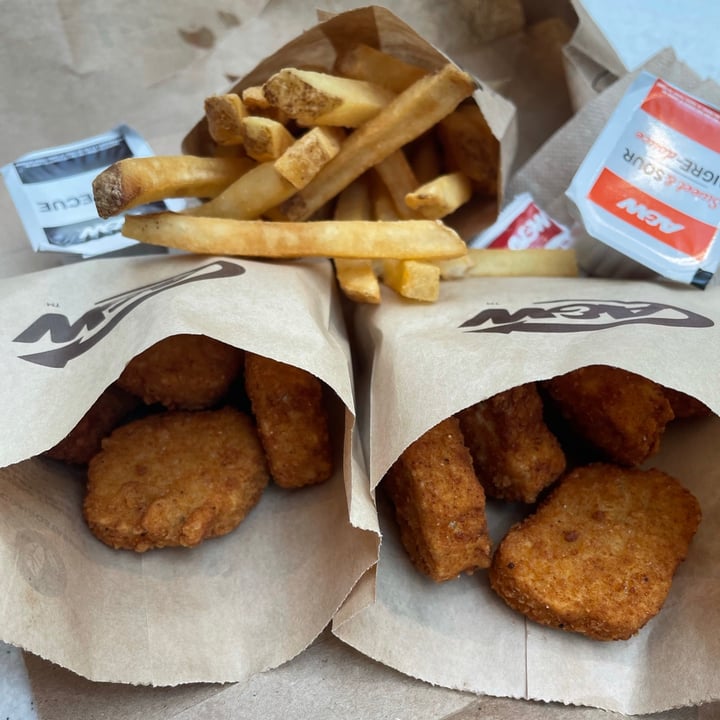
688,26
15,698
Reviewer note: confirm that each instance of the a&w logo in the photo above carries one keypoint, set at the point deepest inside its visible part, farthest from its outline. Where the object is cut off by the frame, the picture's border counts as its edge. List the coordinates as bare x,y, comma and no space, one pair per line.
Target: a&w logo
566,316
651,218
68,339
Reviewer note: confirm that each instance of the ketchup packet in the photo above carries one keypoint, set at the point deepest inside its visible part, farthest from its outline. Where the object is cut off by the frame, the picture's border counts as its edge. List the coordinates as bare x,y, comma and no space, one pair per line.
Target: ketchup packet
650,187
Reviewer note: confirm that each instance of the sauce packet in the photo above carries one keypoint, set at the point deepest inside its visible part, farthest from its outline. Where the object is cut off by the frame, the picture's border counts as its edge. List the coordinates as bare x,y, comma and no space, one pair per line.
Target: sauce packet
649,188
52,191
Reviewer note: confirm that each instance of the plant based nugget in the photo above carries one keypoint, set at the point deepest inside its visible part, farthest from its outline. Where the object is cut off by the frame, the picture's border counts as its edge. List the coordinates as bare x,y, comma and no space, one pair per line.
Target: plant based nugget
599,554
84,440
174,479
439,504
686,406
292,421
183,372
514,453
620,413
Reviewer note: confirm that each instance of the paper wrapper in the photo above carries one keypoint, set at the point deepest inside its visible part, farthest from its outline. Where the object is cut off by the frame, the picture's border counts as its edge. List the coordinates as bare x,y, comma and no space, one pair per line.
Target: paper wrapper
425,363
233,606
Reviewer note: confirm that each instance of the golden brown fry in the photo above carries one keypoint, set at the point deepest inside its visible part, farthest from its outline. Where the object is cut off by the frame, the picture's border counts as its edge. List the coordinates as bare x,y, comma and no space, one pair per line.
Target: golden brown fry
514,453
620,413
265,139
308,154
404,239
254,193
292,421
139,180
412,279
406,117
188,372
537,262
399,179
364,62
599,555
174,479
441,196
471,147
224,115
85,439
454,269
317,98
254,98
425,157
356,276
439,504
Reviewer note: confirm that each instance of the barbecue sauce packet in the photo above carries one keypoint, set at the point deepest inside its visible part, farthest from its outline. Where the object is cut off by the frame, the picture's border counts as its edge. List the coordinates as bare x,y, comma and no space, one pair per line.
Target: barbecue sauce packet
234,605
419,365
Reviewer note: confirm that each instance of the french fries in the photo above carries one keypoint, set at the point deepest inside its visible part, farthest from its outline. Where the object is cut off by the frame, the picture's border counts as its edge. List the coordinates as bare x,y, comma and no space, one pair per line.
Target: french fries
406,239
405,118
136,181
224,115
315,98
314,146
537,262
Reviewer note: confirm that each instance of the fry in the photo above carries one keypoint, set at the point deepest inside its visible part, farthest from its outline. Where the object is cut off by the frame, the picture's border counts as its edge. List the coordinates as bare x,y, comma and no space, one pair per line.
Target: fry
136,181
399,179
249,197
264,138
425,158
404,239
406,117
301,161
412,279
441,196
535,262
356,276
471,147
257,104
364,62
224,114
316,98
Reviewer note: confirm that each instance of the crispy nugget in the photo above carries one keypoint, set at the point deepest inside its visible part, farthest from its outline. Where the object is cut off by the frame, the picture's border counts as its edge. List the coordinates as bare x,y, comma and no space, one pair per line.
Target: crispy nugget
620,413
599,554
183,372
292,421
440,504
105,414
514,453
686,406
174,479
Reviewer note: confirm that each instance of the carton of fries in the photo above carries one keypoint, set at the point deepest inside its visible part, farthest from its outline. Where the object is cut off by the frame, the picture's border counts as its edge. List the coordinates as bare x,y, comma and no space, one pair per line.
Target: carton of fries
234,605
424,364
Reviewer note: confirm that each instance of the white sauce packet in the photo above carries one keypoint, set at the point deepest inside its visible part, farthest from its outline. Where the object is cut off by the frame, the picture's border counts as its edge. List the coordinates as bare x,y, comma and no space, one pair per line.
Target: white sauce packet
650,186
52,191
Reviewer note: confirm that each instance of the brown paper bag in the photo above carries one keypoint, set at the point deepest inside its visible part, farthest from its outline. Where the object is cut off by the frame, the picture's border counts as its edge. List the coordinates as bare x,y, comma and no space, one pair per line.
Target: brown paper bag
233,606
423,364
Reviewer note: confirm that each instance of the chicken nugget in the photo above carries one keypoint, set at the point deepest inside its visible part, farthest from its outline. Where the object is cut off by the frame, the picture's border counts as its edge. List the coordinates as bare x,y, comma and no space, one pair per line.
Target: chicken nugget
514,453
105,414
174,479
620,413
183,372
440,504
292,421
685,406
599,555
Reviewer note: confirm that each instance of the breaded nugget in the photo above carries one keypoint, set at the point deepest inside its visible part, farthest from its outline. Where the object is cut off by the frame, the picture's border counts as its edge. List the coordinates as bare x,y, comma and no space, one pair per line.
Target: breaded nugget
686,406
174,479
621,413
183,372
514,453
84,440
599,554
440,504
292,421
